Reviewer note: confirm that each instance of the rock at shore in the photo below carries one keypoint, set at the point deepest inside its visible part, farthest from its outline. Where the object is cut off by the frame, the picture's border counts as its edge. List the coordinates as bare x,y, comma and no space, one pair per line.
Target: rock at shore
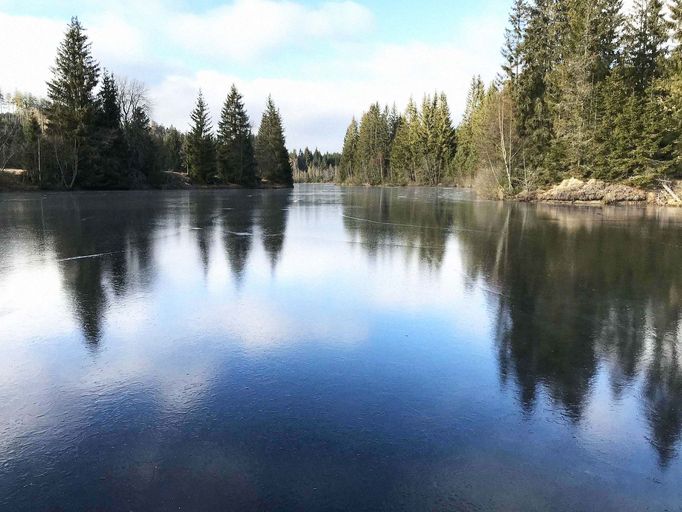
575,190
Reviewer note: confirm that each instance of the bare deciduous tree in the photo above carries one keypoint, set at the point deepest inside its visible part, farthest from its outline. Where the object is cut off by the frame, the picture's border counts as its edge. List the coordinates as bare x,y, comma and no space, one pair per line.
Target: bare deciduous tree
132,94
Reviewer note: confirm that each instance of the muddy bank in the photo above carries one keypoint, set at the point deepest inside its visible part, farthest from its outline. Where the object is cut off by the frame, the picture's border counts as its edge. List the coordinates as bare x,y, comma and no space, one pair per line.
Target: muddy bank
599,192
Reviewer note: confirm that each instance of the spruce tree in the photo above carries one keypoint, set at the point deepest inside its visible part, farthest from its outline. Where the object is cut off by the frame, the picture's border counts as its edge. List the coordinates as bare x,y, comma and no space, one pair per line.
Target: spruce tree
539,50
108,169
235,152
466,157
271,152
571,90
401,153
72,105
142,150
349,154
32,161
108,109
646,37
413,124
173,154
513,40
674,77
606,27
200,146
374,145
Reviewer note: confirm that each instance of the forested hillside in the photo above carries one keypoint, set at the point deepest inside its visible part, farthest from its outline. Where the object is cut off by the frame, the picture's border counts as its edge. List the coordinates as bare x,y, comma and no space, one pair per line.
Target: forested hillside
93,131
586,91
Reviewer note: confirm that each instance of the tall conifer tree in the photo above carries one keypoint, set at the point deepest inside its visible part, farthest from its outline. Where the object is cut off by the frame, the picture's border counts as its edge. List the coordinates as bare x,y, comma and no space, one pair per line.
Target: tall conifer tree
200,145
271,152
108,169
235,152
349,154
374,145
72,104
646,37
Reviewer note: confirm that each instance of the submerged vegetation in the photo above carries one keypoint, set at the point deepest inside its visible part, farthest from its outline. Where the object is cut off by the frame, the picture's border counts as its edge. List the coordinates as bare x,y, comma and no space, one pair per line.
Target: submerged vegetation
585,92
94,132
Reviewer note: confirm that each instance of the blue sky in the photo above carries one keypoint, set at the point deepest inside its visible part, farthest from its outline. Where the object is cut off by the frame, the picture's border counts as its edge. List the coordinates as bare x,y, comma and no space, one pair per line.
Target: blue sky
323,62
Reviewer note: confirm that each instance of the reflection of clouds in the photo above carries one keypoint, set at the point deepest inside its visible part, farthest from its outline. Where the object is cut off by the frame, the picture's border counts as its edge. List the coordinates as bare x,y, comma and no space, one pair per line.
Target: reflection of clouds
33,409
610,424
257,325
32,304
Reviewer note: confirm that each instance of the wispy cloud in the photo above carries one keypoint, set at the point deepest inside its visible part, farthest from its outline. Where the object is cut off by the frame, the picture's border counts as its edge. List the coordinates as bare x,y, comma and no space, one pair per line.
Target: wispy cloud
249,29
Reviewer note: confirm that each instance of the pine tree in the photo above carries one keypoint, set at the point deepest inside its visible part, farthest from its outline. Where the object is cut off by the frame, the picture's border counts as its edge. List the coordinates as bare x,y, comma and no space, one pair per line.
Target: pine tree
33,135
271,152
645,124
674,77
571,85
402,160
373,145
108,109
173,153
349,154
235,152
413,123
538,53
606,27
200,146
466,158
108,166
646,37
445,141
72,103
513,40
142,150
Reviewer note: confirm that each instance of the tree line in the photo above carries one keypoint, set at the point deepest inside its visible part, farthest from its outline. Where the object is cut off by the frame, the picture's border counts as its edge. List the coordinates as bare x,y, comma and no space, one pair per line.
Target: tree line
417,146
314,166
93,131
585,91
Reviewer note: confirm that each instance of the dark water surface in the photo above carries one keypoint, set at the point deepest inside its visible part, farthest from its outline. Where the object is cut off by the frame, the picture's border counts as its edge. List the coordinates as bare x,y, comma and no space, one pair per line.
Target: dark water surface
337,349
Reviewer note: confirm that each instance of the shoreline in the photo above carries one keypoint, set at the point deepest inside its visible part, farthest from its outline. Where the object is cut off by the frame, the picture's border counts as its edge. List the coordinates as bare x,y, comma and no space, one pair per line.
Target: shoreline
570,191
11,180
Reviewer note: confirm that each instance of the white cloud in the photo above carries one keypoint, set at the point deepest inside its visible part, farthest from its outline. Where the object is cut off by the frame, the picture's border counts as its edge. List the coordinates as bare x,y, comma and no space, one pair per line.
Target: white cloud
27,50
316,110
248,28
177,52
29,47
115,40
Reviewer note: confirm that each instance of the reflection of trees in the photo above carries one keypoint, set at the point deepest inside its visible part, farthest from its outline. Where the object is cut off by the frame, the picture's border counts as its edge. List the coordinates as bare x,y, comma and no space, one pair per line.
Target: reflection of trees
273,221
111,238
99,240
203,218
238,224
238,212
104,242
574,290
663,391
22,229
384,218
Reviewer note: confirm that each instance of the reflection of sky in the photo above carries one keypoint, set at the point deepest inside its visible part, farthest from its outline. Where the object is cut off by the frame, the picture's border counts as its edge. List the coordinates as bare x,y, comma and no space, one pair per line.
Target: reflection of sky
404,338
